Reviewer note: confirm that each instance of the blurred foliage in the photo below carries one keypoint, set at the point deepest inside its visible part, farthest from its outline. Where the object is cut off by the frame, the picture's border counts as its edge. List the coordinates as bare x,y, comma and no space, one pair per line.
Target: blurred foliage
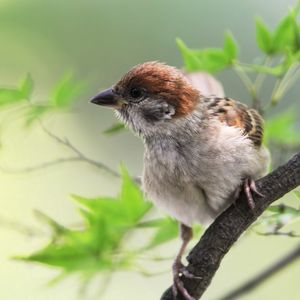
281,51
11,96
100,244
278,217
63,96
282,129
209,60
280,60
166,230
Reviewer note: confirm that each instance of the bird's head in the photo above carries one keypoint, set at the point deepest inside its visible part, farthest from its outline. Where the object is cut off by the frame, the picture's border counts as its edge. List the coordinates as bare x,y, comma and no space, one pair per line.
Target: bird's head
150,97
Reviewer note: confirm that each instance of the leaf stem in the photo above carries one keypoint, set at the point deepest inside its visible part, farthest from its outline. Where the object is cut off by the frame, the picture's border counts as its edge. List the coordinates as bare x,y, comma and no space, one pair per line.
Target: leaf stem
239,70
257,86
283,84
253,88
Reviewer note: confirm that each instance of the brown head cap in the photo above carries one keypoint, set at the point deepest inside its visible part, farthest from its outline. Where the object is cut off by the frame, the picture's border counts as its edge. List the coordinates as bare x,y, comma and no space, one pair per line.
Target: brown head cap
162,82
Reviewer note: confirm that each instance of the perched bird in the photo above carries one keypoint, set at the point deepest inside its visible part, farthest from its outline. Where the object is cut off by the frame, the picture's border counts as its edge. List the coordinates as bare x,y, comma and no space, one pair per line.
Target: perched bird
199,151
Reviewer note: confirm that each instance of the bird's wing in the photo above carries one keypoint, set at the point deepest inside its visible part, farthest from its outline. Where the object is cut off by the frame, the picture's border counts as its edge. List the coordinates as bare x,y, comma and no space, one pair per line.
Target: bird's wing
234,113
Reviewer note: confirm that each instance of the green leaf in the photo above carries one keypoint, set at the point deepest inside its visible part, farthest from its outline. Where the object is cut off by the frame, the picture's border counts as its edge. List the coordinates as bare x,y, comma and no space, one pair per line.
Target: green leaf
66,92
207,60
26,87
167,230
276,71
134,205
282,129
14,95
296,30
35,112
190,60
264,37
284,36
55,227
211,60
230,47
115,128
95,247
290,59
10,96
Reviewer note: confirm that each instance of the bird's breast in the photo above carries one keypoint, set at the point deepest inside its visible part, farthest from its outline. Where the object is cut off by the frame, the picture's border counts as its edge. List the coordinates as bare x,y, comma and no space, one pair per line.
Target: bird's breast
168,184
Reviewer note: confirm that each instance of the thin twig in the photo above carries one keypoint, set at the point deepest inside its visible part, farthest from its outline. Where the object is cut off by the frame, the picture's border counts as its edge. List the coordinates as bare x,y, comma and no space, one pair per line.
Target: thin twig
19,227
261,76
279,233
79,156
256,99
289,83
38,166
282,85
244,77
263,276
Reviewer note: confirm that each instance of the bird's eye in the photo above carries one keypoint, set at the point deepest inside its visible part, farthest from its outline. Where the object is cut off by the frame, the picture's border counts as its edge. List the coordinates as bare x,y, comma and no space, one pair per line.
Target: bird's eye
136,93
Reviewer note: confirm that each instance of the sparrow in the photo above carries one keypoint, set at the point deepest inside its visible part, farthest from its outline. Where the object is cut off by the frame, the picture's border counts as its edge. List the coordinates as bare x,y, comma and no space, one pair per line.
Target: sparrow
200,151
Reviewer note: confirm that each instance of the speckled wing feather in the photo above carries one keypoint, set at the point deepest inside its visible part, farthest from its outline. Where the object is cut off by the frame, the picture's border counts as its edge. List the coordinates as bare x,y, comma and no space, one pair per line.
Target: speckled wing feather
234,113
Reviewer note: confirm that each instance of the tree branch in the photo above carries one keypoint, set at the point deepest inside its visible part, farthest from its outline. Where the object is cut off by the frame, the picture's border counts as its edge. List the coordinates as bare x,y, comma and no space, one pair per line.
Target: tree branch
263,276
205,258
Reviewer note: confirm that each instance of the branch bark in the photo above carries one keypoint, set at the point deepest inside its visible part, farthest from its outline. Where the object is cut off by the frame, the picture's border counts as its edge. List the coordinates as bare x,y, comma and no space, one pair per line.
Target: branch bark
205,258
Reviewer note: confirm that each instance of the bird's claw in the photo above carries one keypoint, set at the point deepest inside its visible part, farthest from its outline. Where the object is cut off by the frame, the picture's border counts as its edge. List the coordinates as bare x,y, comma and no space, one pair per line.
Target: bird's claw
249,188
179,271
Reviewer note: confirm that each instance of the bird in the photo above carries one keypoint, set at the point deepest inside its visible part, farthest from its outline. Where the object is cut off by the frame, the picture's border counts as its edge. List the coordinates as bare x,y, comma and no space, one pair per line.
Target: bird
200,151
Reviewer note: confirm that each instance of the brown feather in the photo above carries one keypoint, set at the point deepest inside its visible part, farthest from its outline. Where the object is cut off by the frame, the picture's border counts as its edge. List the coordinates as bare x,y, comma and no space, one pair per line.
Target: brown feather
163,82
234,113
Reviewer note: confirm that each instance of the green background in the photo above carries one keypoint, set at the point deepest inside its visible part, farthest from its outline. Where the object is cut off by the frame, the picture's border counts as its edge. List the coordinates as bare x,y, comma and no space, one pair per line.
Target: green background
98,41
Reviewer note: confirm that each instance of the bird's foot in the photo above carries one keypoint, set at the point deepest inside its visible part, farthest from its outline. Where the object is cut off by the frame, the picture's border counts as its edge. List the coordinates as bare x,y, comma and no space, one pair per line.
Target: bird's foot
179,271
250,188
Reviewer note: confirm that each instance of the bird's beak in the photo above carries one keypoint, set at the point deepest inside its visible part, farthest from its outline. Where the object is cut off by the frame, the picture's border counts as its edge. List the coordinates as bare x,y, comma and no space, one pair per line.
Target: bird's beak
108,98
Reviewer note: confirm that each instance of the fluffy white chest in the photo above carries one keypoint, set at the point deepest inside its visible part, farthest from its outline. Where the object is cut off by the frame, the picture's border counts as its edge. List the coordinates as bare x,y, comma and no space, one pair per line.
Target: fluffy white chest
193,181
169,183
187,203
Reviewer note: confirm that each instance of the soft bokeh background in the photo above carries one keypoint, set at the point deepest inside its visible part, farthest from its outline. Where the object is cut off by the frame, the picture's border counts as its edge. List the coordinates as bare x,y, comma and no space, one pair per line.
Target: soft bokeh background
99,41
